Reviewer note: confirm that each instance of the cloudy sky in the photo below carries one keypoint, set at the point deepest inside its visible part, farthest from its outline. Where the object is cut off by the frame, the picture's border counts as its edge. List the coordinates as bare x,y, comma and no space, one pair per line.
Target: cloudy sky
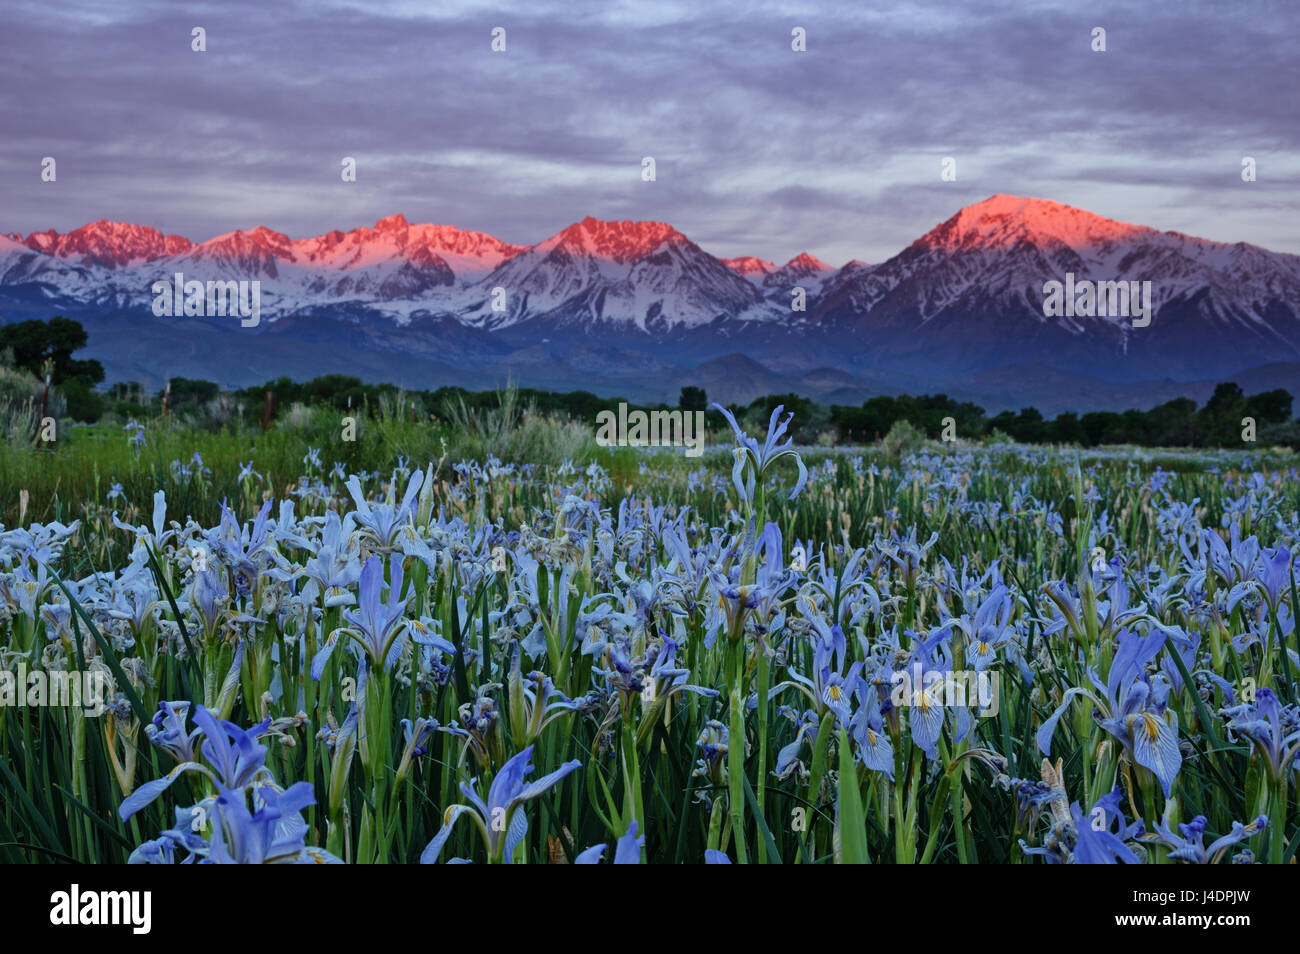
759,149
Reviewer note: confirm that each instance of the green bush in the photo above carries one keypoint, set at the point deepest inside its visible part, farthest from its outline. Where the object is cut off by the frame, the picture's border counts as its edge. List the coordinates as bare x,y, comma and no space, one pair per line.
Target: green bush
902,439
84,403
22,396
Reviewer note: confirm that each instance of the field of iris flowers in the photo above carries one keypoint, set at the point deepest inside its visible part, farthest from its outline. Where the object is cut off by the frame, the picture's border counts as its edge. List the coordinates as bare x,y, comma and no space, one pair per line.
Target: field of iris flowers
507,662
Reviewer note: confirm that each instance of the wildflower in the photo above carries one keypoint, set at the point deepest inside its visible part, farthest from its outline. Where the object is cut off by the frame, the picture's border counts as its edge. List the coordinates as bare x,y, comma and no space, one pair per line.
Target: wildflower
534,702
158,537
761,457
415,736
1272,729
1188,845
627,852
829,688
712,743
383,522
135,435
234,758
1134,711
499,820
376,626
875,749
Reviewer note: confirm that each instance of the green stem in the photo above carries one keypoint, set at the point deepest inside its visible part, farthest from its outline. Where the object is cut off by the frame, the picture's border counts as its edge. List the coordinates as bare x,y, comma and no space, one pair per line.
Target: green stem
736,748
764,677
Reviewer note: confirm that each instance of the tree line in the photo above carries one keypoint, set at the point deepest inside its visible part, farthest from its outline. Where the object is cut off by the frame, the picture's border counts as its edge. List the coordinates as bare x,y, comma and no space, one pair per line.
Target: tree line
46,347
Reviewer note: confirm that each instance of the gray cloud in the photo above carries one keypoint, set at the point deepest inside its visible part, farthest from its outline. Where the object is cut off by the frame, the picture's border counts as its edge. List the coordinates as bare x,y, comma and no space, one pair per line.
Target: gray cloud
759,150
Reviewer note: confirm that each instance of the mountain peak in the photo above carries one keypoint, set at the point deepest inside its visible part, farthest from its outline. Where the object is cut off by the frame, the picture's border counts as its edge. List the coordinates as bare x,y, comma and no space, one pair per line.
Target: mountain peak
391,223
1003,220
806,263
749,265
107,244
619,241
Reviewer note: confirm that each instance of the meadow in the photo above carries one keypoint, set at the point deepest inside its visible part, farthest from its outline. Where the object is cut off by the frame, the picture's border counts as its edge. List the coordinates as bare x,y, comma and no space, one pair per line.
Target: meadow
493,641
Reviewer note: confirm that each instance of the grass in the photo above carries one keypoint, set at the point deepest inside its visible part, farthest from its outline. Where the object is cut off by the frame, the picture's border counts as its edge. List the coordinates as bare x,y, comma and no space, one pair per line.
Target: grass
1035,513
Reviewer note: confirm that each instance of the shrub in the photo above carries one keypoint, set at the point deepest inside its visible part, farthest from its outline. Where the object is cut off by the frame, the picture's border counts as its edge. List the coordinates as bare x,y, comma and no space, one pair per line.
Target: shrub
21,398
84,403
902,439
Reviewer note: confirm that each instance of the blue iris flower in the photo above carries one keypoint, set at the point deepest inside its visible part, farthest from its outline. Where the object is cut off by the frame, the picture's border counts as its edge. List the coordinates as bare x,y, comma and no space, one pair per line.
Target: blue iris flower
1188,845
829,687
1098,846
1134,711
376,625
499,819
1273,731
627,852
235,759
384,522
761,457
271,834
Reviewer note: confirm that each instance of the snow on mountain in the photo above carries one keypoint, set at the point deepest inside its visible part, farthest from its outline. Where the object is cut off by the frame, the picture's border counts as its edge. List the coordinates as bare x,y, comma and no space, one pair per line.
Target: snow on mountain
108,244
755,269
850,271
1006,221
642,275
971,292
113,264
21,265
776,284
469,255
999,253
967,294
803,270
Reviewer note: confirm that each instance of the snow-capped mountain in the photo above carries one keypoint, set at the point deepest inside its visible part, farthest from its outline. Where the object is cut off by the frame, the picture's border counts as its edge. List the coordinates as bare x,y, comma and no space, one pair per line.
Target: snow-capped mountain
850,271
971,292
114,265
804,271
645,276
108,244
639,275
755,269
966,296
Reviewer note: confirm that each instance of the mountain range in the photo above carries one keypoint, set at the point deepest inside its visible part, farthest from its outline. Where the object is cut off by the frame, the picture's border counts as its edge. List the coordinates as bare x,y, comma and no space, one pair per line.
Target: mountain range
637,309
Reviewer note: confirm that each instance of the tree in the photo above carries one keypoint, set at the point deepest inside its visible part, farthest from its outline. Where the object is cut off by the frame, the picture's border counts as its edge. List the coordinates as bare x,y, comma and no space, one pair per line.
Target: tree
1174,424
84,404
1067,429
1270,407
333,390
34,341
1004,421
809,416
878,416
693,399
1103,427
187,391
1029,426
1222,414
